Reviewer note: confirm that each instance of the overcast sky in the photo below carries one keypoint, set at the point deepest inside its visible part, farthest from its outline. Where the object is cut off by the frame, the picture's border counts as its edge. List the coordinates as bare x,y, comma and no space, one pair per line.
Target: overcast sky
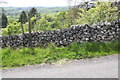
42,3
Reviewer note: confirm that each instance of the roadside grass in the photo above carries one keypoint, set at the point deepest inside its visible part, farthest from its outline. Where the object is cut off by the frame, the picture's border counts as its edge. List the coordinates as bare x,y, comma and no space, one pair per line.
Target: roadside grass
37,55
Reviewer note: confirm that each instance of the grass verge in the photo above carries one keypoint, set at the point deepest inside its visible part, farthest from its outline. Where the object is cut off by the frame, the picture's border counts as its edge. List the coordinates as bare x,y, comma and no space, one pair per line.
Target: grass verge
37,55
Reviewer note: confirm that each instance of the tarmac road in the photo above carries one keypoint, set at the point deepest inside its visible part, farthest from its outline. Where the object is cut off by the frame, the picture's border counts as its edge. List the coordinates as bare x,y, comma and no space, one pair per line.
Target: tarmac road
103,67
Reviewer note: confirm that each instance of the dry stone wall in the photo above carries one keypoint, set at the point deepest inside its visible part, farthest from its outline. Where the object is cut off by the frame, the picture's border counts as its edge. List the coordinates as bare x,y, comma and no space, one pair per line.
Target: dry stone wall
105,31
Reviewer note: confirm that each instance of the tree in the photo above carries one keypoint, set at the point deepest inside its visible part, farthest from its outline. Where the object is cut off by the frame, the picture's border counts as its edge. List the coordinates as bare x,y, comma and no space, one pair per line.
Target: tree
73,12
103,11
117,4
32,12
23,19
74,6
4,21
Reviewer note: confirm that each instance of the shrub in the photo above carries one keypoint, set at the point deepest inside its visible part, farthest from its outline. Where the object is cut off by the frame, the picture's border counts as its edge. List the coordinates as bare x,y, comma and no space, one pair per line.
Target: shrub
102,11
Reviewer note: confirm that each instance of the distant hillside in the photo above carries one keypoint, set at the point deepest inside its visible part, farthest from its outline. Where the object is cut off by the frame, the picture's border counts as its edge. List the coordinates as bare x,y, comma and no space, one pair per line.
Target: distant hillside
14,12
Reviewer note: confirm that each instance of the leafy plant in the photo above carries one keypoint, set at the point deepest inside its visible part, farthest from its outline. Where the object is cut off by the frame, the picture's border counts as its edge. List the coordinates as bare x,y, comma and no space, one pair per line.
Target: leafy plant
102,11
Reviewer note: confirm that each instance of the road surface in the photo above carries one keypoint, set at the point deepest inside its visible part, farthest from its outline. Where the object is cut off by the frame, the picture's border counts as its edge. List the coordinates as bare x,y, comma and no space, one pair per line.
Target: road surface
103,67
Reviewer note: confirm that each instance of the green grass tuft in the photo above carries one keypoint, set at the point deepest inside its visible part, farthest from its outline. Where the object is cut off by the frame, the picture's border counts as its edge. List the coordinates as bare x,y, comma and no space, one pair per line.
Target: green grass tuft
37,55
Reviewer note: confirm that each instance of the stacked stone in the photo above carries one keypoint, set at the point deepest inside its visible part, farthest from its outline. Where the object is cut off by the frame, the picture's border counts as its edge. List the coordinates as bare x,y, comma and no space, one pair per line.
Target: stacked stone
105,31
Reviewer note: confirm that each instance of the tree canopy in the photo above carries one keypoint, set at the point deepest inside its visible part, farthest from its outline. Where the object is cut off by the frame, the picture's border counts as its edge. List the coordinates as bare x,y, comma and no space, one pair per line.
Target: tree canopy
23,17
4,21
32,12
